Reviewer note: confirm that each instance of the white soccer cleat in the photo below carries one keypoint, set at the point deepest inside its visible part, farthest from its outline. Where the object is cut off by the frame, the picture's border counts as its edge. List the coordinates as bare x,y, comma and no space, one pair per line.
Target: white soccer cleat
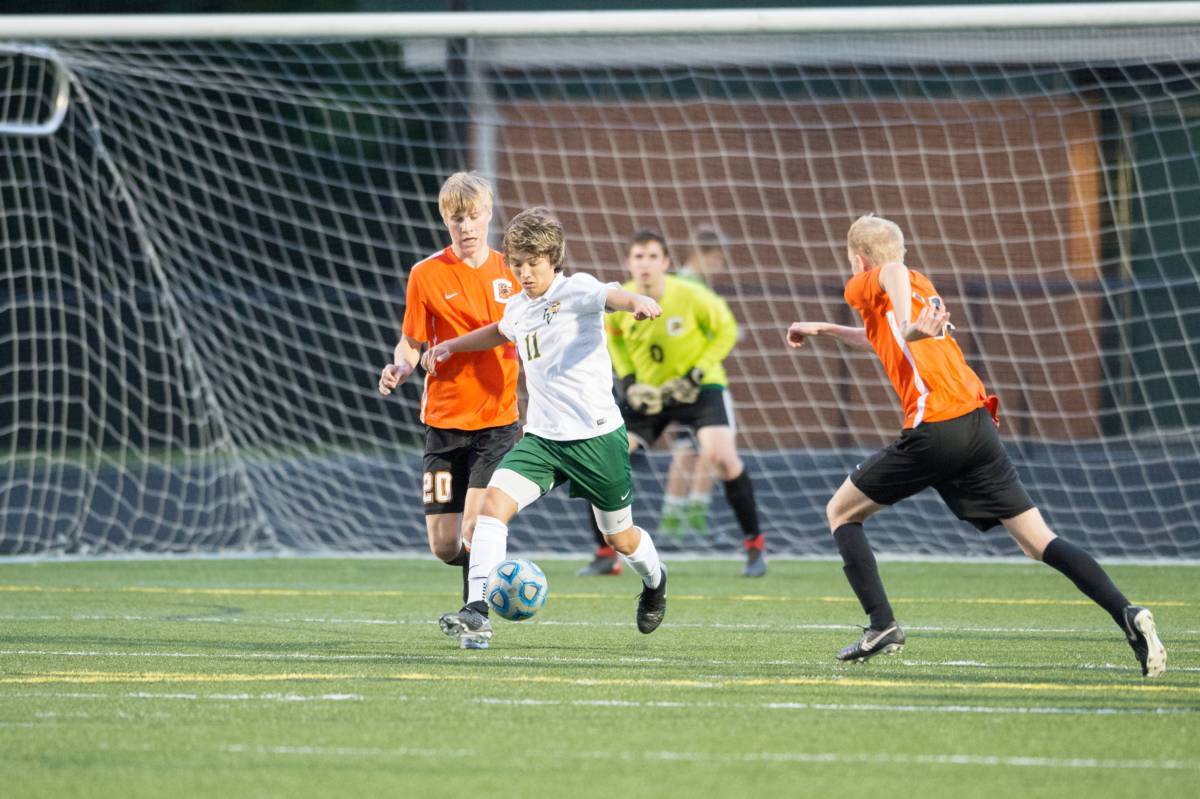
1142,635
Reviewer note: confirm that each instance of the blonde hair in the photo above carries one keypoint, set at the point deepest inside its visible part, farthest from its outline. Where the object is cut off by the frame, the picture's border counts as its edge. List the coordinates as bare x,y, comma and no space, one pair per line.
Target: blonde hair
535,232
878,240
464,192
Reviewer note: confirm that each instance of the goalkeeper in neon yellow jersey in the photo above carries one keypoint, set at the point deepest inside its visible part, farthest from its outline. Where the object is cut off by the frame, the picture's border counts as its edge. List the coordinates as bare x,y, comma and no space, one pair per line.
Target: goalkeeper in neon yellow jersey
671,370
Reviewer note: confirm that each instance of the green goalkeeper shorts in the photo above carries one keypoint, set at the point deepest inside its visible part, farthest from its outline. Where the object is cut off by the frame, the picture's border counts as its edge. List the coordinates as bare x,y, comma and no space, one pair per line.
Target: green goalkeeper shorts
598,468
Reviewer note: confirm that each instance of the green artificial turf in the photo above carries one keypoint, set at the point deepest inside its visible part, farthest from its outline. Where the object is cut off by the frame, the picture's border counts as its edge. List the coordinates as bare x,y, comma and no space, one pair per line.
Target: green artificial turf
319,678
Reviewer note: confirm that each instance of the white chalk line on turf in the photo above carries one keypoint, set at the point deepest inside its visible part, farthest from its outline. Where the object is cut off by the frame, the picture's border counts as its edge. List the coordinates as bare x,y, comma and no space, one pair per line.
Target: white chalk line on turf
389,593
536,659
616,704
255,619
841,708
837,758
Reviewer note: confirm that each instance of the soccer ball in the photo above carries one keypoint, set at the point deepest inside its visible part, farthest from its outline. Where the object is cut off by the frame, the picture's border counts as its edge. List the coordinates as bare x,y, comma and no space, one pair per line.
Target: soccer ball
516,589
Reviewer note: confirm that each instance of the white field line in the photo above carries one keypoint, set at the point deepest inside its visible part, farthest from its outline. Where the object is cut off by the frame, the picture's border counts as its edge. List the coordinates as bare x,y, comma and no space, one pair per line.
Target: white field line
300,591
842,708
725,757
618,703
536,659
257,619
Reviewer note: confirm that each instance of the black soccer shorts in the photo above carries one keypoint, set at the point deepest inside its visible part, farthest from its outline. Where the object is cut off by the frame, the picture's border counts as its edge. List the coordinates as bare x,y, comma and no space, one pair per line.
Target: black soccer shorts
456,460
711,409
962,459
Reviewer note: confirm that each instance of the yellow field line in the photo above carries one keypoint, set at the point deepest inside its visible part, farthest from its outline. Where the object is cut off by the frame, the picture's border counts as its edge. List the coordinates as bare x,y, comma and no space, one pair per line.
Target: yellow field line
321,592
96,677
1163,603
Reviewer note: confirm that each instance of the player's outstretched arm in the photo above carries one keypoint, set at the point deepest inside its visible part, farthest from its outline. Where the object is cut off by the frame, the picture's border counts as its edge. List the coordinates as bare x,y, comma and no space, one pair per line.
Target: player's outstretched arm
929,323
641,306
404,360
853,337
484,338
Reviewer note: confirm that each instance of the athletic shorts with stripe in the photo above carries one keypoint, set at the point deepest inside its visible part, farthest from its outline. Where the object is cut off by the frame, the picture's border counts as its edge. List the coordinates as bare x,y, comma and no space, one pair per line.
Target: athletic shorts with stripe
962,459
456,460
597,468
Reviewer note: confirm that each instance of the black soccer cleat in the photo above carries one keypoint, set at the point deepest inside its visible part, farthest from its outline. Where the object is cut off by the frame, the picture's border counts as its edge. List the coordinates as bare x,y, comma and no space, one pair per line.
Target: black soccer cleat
1142,636
874,642
469,626
652,604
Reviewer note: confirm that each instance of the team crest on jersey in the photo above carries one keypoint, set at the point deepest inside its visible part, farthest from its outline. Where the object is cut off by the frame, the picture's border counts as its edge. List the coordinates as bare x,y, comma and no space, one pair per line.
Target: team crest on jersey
502,289
675,326
551,310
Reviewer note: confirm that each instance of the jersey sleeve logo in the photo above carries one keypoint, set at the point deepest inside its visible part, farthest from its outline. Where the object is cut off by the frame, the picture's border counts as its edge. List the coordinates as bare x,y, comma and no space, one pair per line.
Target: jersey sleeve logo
502,289
551,310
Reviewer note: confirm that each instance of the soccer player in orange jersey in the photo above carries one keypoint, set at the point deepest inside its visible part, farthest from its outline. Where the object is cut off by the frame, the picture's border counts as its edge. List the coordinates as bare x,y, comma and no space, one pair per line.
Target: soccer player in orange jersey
949,442
470,406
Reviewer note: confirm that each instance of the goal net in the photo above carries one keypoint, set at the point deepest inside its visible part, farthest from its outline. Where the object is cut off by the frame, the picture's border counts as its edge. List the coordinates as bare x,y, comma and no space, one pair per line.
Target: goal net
205,244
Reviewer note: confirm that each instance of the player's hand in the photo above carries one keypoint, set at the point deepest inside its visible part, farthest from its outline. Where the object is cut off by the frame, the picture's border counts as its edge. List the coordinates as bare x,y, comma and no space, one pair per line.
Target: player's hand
434,357
682,390
930,323
393,375
644,398
645,308
799,331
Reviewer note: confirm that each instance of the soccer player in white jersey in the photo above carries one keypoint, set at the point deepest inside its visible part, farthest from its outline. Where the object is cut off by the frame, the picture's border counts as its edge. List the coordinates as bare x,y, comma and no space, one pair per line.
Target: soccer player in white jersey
573,431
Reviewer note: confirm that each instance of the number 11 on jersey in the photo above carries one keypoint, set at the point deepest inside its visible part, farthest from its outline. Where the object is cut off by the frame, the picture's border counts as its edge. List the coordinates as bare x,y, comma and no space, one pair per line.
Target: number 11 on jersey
531,347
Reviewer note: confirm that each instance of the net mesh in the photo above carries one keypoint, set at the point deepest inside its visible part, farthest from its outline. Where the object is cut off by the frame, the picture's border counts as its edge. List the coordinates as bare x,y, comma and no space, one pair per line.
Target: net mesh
204,268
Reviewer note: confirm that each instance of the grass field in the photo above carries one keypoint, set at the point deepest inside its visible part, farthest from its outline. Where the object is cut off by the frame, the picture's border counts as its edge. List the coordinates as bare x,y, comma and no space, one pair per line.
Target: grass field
316,678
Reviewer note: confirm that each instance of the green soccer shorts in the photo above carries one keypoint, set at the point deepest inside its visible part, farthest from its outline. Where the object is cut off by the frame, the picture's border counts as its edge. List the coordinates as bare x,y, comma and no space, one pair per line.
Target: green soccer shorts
598,468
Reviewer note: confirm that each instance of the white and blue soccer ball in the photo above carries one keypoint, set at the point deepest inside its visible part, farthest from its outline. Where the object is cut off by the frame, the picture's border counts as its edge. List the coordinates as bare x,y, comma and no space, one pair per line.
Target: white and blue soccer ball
516,589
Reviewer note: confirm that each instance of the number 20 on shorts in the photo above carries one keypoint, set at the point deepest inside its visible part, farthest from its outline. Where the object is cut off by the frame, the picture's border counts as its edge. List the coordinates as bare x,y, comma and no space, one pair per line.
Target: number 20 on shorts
436,487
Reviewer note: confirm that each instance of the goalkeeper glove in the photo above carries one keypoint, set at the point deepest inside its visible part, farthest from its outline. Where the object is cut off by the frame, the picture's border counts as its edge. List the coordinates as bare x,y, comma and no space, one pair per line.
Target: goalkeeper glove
682,390
641,397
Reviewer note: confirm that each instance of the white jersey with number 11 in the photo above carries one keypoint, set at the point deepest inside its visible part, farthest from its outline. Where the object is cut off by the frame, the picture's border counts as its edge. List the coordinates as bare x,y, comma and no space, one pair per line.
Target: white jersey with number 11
564,353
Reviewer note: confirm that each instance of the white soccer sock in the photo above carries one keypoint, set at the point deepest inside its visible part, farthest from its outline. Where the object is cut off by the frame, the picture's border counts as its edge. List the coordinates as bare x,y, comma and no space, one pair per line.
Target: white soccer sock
489,545
644,561
702,499
671,502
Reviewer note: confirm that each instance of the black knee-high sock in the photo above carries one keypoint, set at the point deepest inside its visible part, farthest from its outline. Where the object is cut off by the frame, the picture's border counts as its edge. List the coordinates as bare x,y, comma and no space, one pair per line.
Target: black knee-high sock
863,574
1088,576
739,492
463,559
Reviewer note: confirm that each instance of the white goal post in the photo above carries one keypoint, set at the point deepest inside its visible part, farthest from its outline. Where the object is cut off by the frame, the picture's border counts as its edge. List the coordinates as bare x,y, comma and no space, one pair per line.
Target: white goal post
206,222
497,24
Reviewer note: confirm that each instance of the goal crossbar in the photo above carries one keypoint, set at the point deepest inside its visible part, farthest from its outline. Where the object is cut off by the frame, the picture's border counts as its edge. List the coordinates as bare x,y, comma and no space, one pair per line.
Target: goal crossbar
597,23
